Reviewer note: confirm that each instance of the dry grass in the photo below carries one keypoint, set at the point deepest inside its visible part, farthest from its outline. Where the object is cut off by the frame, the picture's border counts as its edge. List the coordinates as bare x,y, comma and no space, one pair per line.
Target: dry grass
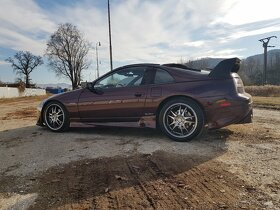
22,99
266,91
29,112
266,102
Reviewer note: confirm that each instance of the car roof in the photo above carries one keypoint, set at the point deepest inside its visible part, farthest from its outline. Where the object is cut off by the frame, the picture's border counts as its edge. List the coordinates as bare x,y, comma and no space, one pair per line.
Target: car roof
164,66
139,64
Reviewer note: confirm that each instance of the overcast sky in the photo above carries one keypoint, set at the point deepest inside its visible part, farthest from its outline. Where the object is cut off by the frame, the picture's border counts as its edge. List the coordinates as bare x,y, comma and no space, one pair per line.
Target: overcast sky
156,31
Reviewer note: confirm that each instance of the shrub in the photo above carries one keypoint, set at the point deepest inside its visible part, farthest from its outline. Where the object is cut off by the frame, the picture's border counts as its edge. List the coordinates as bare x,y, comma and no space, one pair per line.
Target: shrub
267,90
21,87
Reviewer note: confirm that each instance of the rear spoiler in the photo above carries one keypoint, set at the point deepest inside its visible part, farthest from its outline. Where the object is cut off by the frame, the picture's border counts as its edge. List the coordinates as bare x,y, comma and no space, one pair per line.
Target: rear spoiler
225,68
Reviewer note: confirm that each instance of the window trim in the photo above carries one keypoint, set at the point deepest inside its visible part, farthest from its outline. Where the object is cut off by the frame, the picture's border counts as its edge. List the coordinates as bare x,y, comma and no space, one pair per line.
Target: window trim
120,69
155,70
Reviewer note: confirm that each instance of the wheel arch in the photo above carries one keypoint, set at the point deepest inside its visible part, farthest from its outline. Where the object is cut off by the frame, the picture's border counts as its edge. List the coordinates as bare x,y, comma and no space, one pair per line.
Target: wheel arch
173,97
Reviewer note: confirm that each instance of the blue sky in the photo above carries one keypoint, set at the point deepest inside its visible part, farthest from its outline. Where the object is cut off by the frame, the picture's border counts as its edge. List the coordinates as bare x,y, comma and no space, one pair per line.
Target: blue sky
157,31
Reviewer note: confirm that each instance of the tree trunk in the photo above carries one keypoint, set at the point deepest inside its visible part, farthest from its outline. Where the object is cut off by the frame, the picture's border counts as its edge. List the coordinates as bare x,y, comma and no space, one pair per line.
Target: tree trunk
74,85
27,85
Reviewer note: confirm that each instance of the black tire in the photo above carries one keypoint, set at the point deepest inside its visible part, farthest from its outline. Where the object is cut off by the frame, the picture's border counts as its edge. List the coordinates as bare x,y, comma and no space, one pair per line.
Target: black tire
56,117
181,119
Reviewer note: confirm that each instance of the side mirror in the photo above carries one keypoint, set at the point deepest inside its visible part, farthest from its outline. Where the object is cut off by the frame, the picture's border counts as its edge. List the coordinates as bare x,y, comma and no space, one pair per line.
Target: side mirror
89,85
93,89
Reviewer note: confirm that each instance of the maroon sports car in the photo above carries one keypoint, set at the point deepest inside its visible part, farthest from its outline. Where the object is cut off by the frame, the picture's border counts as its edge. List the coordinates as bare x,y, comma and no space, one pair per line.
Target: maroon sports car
180,101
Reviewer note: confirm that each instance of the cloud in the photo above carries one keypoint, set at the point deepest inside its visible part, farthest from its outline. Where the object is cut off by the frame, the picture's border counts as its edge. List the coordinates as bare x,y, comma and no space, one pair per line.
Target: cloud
144,32
241,12
19,41
195,43
225,53
24,26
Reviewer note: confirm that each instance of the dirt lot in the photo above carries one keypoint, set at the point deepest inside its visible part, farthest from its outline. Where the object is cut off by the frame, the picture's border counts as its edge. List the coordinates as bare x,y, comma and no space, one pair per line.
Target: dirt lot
237,167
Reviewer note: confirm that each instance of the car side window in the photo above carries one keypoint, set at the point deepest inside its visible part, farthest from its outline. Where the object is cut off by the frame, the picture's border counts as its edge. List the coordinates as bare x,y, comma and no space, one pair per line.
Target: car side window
163,77
128,77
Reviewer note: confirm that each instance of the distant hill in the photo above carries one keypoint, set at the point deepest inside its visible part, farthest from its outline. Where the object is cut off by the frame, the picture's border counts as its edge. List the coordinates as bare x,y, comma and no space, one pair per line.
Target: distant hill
271,54
204,63
259,58
251,69
212,62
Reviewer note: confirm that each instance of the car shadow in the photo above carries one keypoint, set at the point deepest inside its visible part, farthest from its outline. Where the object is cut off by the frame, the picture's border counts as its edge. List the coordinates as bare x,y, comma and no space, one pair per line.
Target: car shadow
89,178
102,130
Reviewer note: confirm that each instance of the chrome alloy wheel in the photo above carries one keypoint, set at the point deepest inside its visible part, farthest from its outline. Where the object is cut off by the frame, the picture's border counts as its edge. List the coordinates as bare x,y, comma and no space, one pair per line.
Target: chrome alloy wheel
180,120
54,117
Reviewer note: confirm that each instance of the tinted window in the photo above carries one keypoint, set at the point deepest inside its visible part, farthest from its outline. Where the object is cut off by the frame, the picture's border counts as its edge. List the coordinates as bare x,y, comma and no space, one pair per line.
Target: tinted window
127,77
163,77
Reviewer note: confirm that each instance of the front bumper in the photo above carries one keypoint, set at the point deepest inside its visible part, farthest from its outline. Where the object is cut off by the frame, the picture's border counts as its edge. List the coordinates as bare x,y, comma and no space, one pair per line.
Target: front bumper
39,119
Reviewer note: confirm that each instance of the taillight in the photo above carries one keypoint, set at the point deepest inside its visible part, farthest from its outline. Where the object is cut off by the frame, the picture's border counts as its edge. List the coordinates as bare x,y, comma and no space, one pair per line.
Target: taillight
238,84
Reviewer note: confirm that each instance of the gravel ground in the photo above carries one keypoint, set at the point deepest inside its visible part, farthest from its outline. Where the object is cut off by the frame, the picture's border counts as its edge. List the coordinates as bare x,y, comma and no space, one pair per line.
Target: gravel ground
236,167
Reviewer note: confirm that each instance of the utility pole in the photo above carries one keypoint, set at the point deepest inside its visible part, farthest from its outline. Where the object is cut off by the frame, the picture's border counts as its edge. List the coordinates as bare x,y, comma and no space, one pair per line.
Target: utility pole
265,42
97,61
110,36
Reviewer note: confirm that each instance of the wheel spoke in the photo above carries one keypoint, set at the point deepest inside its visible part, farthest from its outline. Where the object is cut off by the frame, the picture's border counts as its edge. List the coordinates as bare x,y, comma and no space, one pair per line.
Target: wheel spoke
171,117
182,132
188,121
58,121
173,123
184,111
174,127
173,113
179,111
190,117
186,128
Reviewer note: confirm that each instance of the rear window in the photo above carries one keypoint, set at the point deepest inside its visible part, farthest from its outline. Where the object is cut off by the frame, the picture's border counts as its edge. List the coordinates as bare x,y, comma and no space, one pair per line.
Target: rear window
163,77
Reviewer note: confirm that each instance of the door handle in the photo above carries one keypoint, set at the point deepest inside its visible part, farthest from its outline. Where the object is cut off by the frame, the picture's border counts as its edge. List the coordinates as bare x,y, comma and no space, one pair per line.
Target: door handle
138,94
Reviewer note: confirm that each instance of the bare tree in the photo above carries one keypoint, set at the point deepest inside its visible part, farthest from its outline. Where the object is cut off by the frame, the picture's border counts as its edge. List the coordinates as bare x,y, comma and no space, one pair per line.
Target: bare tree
67,51
202,63
198,63
25,62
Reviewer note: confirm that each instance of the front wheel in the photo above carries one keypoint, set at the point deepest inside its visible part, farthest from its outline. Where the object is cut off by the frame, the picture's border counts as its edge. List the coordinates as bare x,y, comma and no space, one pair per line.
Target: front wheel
56,117
181,119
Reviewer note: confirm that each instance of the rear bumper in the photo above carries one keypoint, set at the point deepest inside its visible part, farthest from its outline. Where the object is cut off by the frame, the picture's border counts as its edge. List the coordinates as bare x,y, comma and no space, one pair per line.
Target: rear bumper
247,119
239,112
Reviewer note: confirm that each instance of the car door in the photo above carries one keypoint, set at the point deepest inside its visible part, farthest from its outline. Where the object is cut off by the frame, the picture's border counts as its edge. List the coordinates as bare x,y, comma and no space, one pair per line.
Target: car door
160,88
118,96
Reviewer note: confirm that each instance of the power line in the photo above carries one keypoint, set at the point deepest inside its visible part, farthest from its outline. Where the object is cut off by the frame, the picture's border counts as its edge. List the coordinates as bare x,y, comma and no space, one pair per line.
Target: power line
265,42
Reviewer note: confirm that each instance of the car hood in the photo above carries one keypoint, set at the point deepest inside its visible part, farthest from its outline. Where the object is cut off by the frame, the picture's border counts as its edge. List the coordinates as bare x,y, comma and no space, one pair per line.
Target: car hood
71,96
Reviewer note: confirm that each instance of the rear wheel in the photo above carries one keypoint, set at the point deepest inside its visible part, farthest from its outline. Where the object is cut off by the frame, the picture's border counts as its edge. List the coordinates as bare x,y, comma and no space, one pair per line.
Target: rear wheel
56,117
181,119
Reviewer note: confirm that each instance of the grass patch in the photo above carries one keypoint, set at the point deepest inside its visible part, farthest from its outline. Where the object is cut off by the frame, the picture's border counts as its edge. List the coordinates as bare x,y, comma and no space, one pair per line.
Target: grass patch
265,91
266,102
